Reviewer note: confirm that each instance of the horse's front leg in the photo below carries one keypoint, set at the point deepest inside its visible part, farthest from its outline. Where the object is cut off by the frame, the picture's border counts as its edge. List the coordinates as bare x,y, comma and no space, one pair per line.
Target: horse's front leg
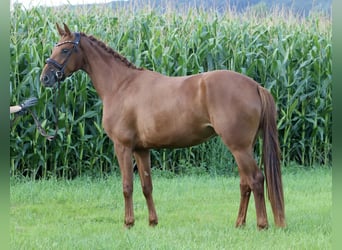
124,155
144,166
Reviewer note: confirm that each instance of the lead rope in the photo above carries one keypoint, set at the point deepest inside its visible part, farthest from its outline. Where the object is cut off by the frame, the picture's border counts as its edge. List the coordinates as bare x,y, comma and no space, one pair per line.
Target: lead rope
38,123
56,112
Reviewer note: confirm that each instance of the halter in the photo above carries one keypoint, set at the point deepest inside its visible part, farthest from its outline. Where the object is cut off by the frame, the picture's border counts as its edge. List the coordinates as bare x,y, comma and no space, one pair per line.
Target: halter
60,74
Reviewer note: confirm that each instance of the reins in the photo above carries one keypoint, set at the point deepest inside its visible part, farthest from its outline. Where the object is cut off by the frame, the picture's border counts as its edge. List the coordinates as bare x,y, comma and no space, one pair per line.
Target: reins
40,128
56,112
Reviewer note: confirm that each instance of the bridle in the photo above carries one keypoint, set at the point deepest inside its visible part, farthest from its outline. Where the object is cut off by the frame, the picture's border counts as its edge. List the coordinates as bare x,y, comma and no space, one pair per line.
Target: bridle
60,74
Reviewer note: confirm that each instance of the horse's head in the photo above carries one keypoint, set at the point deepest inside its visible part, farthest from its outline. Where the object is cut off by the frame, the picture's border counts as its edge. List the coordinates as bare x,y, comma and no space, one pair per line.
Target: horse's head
66,58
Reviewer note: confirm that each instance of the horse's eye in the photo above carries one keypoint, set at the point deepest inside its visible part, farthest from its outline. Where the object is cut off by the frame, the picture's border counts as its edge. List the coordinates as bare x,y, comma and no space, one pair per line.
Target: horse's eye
65,51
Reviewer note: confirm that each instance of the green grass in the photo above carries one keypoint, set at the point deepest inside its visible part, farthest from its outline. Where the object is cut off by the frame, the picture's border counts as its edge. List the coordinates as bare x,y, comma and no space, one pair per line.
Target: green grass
194,213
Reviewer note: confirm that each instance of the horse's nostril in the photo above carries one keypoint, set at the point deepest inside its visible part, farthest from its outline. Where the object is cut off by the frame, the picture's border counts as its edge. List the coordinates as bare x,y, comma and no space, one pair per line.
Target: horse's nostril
46,79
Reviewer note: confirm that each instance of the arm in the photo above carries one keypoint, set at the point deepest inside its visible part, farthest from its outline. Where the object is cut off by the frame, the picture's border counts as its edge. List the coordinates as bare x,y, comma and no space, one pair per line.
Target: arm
15,109
22,107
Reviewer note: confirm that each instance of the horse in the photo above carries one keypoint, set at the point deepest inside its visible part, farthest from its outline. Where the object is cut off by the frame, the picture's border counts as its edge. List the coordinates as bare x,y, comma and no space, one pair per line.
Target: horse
144,110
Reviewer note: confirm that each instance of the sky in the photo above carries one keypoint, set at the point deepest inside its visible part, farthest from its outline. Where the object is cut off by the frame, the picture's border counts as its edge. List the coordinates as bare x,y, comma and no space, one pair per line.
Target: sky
31,3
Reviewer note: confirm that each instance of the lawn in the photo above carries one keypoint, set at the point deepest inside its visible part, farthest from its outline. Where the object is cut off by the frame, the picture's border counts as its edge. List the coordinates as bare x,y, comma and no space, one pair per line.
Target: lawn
195,212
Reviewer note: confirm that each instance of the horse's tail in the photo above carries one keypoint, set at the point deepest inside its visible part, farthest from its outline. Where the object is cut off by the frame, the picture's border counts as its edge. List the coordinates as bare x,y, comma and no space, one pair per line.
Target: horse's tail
271,156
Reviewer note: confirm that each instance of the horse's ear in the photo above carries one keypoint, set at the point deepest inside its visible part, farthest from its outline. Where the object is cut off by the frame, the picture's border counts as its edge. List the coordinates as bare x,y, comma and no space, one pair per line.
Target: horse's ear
60,30
66,28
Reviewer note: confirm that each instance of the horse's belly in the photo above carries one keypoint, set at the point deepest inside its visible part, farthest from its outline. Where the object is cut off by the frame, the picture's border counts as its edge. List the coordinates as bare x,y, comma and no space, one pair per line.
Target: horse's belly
177,137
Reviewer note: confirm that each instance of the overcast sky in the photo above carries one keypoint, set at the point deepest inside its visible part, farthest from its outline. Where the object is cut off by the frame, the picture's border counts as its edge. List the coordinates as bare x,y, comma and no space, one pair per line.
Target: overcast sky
30,3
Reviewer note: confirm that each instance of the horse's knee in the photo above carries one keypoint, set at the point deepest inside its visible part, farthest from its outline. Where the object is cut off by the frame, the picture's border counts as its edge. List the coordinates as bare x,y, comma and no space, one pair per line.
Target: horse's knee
147,190
127,190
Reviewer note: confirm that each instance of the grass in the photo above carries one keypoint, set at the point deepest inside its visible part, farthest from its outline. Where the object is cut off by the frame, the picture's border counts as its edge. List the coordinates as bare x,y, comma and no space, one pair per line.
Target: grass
195,212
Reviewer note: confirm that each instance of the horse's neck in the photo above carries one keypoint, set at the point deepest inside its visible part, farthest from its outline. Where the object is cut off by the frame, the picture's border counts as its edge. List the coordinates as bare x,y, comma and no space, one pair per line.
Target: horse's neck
106,72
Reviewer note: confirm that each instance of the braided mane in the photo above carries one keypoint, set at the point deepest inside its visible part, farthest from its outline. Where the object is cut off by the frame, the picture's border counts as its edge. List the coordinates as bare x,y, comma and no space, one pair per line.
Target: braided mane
115,54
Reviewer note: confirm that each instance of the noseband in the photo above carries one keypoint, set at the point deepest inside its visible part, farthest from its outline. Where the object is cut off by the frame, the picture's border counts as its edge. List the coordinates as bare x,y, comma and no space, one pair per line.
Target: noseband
60,74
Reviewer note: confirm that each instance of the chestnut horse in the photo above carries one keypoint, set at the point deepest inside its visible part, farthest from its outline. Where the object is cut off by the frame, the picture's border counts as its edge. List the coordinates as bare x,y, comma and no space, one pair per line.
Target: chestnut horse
143,109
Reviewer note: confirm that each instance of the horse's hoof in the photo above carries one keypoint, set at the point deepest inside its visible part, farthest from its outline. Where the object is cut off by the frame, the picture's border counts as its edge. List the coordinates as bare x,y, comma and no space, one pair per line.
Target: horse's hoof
263,227
153,223
240,223
129,225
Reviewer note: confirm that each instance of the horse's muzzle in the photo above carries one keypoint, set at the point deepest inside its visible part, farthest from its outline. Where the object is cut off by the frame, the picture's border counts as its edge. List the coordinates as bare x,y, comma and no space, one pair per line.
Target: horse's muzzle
49,78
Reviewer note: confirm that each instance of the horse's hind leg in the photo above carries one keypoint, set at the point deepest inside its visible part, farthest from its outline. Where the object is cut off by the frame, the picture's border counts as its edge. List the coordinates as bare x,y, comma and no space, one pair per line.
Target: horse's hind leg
144,167
252,179
245,192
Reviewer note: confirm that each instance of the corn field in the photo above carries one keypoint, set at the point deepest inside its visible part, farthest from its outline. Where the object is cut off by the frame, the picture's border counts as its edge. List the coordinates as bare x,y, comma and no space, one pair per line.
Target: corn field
287,54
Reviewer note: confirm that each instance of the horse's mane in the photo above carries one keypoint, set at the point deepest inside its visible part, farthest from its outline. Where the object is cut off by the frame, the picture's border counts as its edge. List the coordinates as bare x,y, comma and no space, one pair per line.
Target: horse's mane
115,54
